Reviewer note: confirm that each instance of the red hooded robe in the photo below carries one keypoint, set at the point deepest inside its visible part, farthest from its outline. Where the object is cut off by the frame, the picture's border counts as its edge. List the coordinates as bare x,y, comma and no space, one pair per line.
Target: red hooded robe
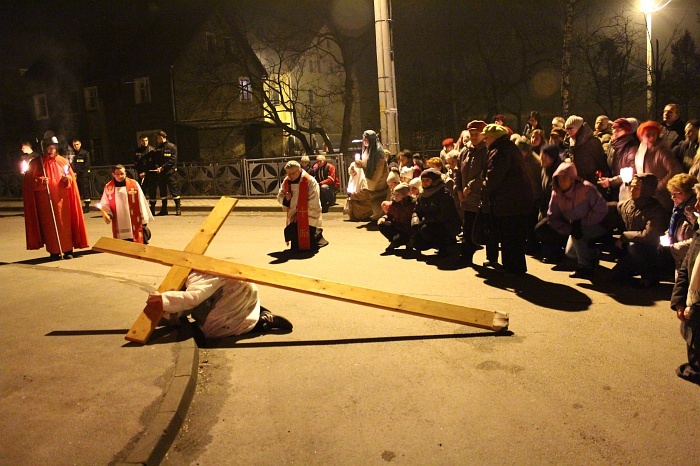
65,200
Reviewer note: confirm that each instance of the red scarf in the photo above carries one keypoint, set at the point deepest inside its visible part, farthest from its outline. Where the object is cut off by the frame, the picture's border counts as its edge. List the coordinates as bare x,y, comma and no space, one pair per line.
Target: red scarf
303,235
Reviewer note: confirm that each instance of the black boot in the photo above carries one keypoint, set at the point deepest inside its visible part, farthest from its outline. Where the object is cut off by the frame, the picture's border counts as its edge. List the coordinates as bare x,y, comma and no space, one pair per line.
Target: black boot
153,207
163,209
177,207
86,207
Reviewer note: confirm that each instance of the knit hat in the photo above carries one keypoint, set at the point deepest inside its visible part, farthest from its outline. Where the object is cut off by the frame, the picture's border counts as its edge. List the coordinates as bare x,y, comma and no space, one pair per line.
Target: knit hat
476,125
634,122
431,173
401,188
415,183
393,177
624,124
574,121
561,132
648,126
495,131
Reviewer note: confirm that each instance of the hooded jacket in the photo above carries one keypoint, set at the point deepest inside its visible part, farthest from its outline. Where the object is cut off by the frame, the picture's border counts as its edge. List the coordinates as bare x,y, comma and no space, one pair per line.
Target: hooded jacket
581,201
644,219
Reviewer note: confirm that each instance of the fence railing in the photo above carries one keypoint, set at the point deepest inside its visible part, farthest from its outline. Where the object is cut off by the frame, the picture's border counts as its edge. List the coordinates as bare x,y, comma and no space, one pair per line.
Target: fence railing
243,178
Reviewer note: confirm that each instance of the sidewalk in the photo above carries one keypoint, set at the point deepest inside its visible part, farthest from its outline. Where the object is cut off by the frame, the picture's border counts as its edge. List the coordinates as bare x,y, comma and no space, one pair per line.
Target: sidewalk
196,204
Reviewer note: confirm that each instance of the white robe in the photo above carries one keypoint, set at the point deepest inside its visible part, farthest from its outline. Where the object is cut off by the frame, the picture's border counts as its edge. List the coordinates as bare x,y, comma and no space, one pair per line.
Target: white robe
122,216
315,219
232,311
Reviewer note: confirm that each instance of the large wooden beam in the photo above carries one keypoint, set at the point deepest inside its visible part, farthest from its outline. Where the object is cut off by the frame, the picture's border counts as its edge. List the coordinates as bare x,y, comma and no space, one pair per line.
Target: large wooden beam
177,275
491,320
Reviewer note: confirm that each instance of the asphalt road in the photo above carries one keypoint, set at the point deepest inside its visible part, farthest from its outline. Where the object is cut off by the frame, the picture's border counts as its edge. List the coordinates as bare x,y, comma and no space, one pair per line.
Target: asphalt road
585,375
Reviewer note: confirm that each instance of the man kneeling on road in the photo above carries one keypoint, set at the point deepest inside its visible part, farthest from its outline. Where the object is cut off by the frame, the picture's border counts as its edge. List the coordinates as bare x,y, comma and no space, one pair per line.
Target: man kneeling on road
221,306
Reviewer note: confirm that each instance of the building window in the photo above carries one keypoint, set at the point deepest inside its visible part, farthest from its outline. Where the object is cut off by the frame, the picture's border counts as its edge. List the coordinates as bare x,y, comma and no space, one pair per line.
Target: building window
311,96
96,151
41,107
210,41
142,90
244,86
90,98
228,46
274,96
73,102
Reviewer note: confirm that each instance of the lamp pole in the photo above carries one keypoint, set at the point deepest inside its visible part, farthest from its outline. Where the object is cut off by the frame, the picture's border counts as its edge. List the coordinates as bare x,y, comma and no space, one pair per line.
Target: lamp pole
648,7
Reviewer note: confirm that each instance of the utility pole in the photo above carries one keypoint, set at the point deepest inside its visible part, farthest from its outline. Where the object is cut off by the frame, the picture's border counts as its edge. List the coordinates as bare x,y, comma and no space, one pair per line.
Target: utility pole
388,112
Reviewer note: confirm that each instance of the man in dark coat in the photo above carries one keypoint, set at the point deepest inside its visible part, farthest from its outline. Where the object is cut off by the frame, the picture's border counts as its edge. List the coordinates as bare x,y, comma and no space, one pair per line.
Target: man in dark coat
674,127
509,192
645,221
145,166
166,161
80,163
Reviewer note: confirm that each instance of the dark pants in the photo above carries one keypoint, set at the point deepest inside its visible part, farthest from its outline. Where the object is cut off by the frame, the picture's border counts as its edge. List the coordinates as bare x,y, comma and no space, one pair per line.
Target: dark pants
691,334
327,197
552,243
84,186
167,181
150,185
291,234
641,259
394,235
510,230
432,235
469,247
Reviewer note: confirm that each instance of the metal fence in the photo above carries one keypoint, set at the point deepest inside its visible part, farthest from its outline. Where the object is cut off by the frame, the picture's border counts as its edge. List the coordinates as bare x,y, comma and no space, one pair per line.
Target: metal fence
243,178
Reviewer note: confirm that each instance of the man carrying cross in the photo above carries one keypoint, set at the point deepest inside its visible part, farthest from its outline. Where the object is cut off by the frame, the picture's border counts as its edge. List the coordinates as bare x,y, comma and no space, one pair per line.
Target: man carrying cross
300,195
124,205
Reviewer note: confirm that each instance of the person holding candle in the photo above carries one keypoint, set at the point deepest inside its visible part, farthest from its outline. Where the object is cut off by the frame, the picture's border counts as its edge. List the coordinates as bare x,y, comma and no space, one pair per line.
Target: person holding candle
27,155
621,153
124,206
52,208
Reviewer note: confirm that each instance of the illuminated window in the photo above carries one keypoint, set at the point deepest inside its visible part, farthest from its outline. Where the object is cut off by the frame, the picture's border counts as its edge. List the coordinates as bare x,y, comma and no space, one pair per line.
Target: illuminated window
142,90
245,90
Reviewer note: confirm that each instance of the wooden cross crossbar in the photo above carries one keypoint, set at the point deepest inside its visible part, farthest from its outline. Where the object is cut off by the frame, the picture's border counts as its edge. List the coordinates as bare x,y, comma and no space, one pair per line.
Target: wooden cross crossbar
177,276
491,320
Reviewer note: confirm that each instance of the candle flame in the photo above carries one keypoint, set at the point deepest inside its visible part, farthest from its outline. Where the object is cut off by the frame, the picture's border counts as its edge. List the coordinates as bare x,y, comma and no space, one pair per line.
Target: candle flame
24,166
65,169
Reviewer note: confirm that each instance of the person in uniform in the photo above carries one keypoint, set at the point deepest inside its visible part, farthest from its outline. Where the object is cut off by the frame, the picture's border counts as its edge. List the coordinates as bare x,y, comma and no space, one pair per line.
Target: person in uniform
146,170
166,163
80,163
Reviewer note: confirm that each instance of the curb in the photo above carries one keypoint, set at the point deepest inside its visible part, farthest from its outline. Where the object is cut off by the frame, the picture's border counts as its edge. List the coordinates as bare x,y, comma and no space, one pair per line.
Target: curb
159,434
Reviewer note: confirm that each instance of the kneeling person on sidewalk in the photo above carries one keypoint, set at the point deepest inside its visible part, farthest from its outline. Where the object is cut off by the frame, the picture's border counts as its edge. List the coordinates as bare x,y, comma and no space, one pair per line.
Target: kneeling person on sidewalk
396,224
221,306
125,206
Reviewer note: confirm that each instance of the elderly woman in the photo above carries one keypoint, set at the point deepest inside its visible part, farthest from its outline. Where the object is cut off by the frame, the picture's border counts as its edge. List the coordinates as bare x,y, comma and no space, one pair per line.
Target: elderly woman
586,150
685,300
680,231
376,171
653,156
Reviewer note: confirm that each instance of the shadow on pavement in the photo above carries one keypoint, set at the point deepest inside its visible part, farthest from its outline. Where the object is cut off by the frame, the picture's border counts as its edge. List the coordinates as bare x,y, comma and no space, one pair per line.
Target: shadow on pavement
284,256
73,333
44,260
232,342
537,291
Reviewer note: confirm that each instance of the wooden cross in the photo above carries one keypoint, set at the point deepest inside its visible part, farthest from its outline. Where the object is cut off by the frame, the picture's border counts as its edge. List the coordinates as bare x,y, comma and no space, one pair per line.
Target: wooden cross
193,260
176,277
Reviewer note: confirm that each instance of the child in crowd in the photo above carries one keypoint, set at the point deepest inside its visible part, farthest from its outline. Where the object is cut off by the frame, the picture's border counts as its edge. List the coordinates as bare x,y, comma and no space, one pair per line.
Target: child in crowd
396,224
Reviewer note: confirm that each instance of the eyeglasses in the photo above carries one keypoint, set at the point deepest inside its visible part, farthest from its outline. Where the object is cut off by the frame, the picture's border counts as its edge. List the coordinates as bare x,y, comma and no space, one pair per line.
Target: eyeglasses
676,193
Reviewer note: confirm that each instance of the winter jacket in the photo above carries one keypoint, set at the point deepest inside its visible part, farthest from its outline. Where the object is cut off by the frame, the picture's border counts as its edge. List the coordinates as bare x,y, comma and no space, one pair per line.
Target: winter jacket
435,205
507,186
588,155
659,161
582,201
472,170
644,219
400,214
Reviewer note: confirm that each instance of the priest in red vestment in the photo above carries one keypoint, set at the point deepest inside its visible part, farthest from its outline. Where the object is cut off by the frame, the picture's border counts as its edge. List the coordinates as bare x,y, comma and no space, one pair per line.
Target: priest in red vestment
124,205
53,214
300,195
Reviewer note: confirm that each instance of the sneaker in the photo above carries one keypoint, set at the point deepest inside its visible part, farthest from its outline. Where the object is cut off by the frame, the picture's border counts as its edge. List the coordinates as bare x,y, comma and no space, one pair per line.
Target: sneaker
488,263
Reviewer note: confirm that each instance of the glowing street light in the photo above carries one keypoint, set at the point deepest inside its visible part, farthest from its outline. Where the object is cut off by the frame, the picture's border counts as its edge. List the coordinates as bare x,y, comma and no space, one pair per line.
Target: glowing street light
648,7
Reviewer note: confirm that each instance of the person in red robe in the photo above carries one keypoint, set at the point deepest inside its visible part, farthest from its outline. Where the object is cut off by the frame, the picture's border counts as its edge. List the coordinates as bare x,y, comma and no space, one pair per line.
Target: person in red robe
53,214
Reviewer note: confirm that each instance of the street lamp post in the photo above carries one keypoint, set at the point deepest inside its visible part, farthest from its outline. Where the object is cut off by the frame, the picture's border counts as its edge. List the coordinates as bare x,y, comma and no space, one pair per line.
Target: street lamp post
648,7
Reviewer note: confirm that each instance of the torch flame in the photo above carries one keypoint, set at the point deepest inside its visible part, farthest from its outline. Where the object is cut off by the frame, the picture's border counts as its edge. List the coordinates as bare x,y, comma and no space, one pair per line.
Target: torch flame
24,166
